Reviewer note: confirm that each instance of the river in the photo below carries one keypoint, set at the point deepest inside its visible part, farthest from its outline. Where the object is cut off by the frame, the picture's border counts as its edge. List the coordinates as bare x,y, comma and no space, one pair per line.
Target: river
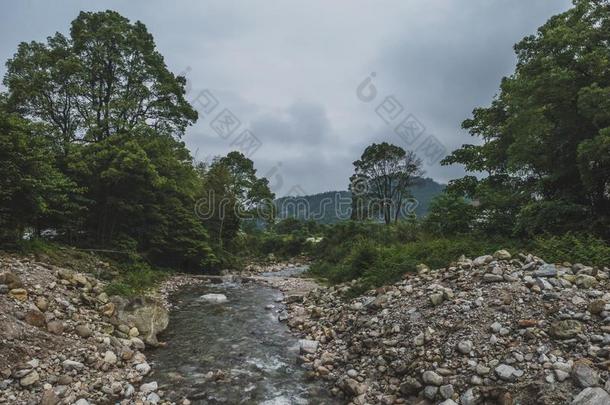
235,352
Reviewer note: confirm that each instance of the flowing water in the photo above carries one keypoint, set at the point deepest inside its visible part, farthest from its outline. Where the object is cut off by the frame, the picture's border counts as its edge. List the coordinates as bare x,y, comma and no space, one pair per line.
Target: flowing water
251,355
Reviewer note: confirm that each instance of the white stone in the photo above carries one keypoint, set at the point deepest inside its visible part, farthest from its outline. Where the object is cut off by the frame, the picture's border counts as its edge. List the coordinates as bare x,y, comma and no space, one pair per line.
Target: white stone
214,298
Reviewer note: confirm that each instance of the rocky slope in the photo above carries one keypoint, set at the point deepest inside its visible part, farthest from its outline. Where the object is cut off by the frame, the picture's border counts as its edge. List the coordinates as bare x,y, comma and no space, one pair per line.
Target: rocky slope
64,341
493,330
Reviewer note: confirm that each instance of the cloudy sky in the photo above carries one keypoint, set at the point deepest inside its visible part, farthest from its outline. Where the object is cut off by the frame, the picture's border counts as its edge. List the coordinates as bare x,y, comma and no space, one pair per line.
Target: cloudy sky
289,72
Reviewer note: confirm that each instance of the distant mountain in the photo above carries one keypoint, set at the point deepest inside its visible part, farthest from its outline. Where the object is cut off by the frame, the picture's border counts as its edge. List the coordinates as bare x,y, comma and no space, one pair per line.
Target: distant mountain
335,206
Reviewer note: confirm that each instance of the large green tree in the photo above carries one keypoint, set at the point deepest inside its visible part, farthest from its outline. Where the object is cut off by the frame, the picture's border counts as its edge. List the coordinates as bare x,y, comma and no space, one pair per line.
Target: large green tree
32,190
233,193
545,136
381,181
107,77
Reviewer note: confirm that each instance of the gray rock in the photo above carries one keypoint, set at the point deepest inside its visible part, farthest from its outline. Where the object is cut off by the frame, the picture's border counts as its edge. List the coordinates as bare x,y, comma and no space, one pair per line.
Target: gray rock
584,375
431,378
214,298
507,373
430,392
546,270
468,398
446,391
149,387
465,346
72,365
492,278
145,313
592,396
307,346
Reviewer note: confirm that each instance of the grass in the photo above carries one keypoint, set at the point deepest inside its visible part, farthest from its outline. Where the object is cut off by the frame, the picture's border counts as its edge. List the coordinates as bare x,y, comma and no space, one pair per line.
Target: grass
374,255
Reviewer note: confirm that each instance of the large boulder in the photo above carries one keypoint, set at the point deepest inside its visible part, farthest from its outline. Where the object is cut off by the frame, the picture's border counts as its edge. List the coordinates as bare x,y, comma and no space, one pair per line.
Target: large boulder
145,313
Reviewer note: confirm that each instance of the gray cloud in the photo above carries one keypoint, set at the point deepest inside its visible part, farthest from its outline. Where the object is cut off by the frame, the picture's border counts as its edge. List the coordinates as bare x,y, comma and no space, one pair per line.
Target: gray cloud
289,70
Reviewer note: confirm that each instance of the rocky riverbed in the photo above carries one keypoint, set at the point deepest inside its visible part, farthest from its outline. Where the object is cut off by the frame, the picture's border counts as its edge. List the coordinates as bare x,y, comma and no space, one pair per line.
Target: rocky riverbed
497,329
64,341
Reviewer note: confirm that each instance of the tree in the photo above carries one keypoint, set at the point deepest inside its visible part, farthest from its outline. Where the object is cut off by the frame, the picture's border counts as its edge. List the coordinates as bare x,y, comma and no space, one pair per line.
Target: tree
233,192
381,181
543,135
31,188
107,77
450,214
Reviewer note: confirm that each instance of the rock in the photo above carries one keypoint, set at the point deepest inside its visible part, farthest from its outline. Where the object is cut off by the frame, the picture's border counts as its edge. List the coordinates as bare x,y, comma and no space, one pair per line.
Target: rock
492,278
464,346
214,298
592,396
565,329
430,392
507,373
448,402
585,281
83,331
482,260
133,332
143,368
19,294
584,375
55,327
110,357
49,397
432,378
3,289
82,401
35,318
108,309
31,378
597,306
436,299
42,303
146,314
153,398
72,365
410,386
148,387
307,346
12,281
502,255
446,391
468,398
546,270
353,387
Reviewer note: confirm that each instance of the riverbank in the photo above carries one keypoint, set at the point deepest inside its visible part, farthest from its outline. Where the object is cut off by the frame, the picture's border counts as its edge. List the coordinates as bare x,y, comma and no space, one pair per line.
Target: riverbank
63,340
493,329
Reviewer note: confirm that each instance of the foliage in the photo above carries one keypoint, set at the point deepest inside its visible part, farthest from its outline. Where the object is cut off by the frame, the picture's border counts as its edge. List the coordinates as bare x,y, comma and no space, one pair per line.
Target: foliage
107,77
376,254
574,248
232,193
32,190
545,136
381,181
450,214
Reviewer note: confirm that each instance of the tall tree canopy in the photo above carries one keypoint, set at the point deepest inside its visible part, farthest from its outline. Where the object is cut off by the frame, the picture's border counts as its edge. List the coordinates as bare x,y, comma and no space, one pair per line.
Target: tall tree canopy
546,136
107,77
232,193
381,181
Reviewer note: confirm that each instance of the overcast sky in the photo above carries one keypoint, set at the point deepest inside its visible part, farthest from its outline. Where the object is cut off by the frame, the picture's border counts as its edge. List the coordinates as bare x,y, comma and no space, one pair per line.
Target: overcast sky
289,72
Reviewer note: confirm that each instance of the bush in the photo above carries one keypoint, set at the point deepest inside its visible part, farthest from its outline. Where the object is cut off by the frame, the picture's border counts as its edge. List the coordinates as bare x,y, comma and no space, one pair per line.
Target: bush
574,248
135,279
